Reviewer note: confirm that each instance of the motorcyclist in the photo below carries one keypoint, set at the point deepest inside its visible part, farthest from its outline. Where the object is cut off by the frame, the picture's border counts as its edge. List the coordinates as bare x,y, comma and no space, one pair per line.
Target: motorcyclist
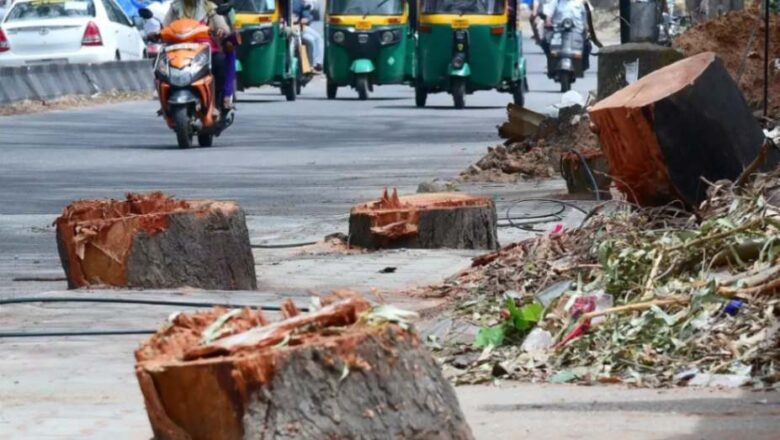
579,11
206,12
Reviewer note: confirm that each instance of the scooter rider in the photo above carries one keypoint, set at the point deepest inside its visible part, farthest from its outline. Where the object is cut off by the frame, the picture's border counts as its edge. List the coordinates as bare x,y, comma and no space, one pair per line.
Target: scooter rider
205,12
579,11
310,36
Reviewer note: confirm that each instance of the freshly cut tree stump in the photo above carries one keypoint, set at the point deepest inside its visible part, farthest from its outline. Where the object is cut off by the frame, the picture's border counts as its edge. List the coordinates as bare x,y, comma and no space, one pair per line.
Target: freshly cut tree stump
153,241
339,373
430,221
675,126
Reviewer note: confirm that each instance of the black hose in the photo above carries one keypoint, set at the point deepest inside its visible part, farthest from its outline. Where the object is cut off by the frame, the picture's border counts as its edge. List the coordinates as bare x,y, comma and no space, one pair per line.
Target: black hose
592,178
542,217
283,246
61,299
76,333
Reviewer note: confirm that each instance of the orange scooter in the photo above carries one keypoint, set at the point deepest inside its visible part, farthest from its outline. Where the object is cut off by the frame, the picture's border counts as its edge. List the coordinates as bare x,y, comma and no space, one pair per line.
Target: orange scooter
186,86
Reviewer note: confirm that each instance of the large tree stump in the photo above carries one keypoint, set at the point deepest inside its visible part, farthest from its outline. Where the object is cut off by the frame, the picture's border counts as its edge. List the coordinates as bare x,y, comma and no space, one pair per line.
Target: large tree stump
153,241
332,374
430,221
675,126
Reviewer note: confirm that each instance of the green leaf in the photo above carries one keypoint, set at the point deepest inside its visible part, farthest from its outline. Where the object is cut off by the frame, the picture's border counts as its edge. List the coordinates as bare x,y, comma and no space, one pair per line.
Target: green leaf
524,318
490,336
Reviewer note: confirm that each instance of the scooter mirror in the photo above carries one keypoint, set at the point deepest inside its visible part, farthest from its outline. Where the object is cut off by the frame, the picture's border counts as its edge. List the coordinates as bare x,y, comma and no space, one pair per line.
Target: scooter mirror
145,13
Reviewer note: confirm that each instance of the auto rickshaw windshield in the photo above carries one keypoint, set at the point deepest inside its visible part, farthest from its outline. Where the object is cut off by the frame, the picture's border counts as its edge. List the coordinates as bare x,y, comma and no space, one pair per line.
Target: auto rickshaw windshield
257,6
466,7
365,7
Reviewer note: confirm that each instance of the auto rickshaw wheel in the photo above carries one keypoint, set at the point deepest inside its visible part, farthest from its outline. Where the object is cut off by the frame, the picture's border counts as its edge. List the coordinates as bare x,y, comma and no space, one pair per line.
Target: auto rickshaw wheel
289,89
332,89
420,96
361,85
518,95
565,79
459,92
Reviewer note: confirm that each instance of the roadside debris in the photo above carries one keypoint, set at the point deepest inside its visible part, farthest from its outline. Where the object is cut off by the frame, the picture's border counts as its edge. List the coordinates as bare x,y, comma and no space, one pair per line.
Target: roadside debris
534,145
428,220
737,38
73,101
670,130
154,241
645,296
347,370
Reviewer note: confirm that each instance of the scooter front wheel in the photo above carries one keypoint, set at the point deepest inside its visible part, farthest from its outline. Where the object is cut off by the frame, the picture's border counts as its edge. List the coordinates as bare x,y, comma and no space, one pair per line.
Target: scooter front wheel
183,130
565,79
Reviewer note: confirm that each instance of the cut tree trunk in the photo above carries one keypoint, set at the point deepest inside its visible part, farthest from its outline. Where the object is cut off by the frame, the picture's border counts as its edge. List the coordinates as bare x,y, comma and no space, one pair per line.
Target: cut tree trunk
430,221
153,241
675,127
323,375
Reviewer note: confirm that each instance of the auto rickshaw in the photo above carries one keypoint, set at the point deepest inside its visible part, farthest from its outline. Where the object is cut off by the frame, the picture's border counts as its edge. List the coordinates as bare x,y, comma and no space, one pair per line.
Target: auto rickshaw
368,43
270,51
469,45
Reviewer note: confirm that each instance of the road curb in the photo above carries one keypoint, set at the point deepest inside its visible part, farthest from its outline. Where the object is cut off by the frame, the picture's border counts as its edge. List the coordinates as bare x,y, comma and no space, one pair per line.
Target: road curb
51,81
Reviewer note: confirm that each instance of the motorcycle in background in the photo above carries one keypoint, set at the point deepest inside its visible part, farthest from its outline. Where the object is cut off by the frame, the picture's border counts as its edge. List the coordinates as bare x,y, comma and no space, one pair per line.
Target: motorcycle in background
566,53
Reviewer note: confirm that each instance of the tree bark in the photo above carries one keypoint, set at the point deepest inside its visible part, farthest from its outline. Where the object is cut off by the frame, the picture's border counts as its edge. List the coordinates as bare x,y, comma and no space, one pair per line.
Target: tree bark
317,376
434,220
153,241
675,127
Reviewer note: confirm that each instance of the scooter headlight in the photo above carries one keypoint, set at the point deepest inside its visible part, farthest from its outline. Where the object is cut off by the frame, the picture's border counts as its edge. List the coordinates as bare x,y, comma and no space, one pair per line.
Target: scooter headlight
387,37
567,23
338,37
201,60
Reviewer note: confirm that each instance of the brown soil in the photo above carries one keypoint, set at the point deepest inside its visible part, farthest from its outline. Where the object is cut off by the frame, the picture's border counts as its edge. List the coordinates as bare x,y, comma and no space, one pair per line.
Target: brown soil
535,158
728,36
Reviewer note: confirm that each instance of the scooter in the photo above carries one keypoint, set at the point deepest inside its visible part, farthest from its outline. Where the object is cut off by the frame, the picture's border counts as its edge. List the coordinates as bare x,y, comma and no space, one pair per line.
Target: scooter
186,85
566,53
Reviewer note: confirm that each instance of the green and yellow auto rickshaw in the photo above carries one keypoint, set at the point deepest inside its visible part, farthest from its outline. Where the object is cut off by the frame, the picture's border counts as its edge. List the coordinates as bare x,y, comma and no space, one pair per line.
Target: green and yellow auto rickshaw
269,50
368,43
468,45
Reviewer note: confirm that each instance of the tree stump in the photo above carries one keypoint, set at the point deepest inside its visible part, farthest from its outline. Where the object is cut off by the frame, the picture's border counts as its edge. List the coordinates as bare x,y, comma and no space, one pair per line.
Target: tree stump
153,241
430,221
336,373
675,126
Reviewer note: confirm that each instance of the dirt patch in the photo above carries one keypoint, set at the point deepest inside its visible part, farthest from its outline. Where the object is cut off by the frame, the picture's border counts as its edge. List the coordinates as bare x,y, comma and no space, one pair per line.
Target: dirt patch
728,36
537,157
73,101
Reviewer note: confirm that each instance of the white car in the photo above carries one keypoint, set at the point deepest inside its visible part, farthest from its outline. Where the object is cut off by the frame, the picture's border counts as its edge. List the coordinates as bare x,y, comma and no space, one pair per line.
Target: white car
67,31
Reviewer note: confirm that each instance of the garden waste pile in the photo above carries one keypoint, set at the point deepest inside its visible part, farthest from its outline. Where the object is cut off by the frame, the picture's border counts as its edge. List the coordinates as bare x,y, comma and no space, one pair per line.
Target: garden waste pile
651,297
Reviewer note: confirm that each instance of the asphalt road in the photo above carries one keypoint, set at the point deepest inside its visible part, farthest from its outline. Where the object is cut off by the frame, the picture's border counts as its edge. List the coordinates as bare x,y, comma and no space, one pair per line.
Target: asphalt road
278,158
